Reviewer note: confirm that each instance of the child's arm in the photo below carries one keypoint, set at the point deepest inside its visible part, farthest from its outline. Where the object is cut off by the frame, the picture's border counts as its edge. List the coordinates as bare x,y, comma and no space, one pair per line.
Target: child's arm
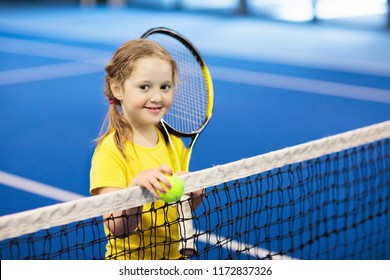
196,197
122,223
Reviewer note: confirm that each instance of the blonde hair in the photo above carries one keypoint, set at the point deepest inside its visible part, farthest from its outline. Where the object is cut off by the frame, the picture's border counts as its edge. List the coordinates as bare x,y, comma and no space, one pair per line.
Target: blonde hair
118,70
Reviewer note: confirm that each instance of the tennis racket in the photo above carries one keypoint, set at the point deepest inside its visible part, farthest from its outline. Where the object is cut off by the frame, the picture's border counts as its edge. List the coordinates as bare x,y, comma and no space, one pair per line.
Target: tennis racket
191,109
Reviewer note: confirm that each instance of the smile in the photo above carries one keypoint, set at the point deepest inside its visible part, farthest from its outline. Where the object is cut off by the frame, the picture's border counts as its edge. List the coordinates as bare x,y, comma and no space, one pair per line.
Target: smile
153,108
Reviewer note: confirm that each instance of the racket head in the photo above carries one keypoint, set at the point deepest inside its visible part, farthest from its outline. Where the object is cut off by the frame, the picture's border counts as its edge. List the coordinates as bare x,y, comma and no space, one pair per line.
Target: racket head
193,98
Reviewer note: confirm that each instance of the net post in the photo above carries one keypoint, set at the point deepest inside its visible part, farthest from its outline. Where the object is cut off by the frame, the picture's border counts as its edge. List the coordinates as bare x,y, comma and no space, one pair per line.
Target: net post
186,229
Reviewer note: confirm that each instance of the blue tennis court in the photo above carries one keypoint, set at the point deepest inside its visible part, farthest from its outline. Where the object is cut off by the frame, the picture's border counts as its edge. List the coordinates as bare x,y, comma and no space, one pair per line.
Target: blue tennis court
276,85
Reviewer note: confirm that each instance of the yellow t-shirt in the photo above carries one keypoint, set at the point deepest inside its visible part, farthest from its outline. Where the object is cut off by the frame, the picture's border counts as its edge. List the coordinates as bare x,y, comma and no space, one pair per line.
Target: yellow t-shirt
158,225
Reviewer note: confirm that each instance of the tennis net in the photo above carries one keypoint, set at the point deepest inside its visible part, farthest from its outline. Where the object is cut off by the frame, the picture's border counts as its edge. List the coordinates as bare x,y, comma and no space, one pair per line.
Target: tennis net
325,199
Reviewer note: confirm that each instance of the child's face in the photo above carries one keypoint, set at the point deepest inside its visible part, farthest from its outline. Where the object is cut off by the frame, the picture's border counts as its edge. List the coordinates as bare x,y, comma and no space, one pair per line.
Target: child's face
146,95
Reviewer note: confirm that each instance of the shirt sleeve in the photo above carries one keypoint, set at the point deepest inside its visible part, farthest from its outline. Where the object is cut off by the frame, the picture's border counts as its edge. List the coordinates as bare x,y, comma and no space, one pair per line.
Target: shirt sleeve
107,170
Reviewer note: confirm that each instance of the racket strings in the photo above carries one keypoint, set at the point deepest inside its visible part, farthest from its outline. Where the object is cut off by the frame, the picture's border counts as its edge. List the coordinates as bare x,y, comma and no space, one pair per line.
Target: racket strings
189,109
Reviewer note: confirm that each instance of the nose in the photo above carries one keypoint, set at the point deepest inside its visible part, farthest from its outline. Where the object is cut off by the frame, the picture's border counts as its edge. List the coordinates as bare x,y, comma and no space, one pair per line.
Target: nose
156,96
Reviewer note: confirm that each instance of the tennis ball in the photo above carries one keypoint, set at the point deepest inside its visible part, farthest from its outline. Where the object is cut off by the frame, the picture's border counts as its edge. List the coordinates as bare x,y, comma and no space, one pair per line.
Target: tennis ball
175,192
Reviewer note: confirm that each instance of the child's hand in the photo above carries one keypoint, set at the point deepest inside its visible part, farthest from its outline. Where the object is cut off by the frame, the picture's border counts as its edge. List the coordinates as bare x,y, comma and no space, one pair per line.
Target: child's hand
151,178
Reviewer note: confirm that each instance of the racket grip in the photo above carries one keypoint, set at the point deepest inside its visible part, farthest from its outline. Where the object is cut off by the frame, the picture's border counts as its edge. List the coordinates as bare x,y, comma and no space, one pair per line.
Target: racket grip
186,230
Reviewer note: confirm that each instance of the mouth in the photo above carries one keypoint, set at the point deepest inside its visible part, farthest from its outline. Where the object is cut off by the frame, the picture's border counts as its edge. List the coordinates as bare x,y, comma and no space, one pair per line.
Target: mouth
153,108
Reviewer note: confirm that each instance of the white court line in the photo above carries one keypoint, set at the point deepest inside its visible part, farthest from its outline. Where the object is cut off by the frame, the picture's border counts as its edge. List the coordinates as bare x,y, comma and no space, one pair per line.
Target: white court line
315,61
49,50
300,84
48,72
233,245
95,60
37,188
218,73
59,51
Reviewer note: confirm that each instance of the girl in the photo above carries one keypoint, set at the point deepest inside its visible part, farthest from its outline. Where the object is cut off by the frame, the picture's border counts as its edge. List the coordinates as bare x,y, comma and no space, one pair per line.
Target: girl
139,85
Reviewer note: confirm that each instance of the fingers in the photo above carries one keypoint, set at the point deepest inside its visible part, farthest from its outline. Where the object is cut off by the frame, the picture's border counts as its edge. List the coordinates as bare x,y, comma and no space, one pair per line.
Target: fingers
165,169
152,185
151,179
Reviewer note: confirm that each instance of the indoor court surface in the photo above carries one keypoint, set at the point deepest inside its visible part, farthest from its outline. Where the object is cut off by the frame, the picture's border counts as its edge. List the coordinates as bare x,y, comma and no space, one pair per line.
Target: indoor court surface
276,85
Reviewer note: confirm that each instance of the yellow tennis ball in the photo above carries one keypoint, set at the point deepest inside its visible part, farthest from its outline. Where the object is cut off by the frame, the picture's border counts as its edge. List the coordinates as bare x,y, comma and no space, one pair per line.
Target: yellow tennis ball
175,192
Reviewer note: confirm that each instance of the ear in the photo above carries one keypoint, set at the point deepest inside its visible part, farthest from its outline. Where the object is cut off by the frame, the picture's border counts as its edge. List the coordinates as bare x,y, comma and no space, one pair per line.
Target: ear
116,89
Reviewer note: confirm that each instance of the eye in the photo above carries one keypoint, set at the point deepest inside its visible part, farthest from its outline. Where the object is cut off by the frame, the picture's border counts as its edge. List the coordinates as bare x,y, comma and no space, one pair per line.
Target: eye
144,87
166,87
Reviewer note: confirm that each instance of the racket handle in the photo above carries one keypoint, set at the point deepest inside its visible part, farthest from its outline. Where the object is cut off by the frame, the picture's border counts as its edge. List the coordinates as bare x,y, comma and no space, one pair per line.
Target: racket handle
186,230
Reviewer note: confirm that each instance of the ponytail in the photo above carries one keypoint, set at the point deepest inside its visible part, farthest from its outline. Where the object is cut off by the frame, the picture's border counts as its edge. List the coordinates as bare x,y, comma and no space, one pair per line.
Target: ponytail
116,123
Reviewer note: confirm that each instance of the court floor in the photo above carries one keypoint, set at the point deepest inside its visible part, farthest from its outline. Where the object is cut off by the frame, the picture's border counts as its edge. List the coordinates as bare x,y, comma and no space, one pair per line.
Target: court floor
276,85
